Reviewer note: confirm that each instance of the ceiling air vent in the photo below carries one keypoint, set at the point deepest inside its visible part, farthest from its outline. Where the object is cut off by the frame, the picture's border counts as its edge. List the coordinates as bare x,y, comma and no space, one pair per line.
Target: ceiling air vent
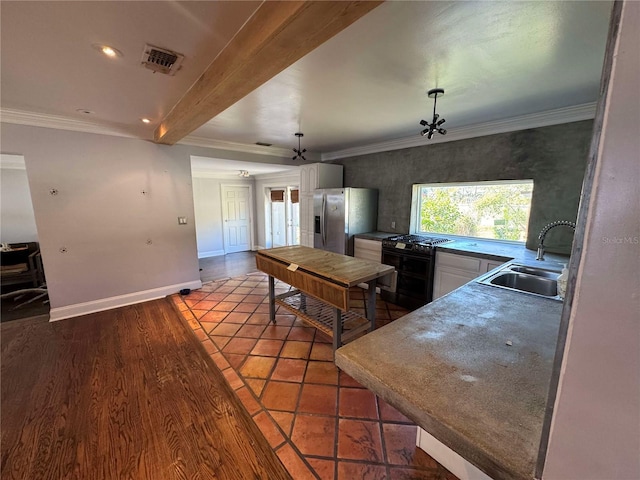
161,60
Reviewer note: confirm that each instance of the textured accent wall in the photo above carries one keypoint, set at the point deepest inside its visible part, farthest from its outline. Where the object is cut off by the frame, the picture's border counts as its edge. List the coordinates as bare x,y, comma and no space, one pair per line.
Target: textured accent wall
554,157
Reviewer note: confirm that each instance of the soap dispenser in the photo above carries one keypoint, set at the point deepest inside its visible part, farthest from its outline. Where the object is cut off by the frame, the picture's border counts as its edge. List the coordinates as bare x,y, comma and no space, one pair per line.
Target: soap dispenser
562,281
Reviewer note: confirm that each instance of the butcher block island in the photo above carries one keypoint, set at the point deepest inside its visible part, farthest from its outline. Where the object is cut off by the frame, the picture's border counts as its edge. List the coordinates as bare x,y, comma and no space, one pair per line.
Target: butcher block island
322,281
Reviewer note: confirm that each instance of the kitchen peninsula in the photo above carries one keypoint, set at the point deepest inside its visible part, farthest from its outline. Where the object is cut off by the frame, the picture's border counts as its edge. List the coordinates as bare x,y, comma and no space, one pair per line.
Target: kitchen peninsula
471,368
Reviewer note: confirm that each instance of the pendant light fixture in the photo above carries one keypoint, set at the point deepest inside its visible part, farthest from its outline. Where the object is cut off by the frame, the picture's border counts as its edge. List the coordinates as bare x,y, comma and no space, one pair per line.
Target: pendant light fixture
436,123
298,151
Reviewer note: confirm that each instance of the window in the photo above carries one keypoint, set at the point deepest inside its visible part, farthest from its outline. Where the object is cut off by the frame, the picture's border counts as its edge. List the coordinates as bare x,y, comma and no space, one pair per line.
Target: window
495,210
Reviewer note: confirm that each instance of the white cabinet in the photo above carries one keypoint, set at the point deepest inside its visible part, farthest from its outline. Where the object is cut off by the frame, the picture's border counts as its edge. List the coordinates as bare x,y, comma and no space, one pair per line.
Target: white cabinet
368,249
453,271
306,219
319,175
313,176
491,264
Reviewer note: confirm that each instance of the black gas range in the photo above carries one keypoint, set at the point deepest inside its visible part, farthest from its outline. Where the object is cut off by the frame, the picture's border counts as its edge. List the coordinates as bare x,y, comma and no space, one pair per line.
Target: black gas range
413,256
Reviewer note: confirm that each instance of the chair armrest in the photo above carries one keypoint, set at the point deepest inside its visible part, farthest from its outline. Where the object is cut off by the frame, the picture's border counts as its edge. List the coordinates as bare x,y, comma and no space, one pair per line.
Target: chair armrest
32,260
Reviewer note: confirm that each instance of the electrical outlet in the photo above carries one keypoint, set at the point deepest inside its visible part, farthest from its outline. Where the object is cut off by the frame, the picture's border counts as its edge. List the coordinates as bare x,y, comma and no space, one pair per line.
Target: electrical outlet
393,224
182,220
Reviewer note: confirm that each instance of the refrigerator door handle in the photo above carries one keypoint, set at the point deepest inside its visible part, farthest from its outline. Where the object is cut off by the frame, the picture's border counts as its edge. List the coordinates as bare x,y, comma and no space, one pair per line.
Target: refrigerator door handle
323,225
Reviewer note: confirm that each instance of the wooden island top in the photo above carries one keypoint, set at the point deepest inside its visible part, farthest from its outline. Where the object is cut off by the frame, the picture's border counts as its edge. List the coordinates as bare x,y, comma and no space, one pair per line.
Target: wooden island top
341,269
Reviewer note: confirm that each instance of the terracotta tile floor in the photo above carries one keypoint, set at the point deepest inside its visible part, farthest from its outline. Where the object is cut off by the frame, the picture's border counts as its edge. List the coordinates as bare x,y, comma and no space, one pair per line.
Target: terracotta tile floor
321,422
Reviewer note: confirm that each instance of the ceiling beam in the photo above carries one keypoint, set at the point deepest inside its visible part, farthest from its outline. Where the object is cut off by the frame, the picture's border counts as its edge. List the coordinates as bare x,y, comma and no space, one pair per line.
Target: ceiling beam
277,35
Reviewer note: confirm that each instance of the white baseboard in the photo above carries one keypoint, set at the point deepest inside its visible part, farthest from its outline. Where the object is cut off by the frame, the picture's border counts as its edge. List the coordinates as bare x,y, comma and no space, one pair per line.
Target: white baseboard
210,253
85,308
448,458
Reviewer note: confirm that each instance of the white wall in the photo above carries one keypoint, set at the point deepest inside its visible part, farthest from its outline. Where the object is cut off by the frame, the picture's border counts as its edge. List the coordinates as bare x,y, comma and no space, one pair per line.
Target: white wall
595,432
263,219
208,217
17,221
102,218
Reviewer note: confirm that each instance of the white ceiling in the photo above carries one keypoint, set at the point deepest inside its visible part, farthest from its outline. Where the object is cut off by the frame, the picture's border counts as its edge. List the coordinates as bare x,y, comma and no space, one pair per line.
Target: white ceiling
50,67
495,60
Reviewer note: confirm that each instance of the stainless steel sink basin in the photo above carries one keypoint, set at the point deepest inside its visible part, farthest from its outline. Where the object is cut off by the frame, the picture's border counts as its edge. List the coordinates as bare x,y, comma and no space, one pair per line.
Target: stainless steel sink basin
527,283
538,272
523,279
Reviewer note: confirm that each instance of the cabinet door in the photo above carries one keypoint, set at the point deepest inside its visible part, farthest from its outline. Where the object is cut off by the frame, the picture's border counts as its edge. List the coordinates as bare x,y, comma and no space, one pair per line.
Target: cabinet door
309,242
367,249
459,262
313,177
308,178
493,264
448,279
306,220
306,212
329,176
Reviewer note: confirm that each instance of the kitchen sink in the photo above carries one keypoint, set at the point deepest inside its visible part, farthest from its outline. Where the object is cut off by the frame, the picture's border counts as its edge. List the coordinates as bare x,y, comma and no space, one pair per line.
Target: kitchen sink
523,279
538,272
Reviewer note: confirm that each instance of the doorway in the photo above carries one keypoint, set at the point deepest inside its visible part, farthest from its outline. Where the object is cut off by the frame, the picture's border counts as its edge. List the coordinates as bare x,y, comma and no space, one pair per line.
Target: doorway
236,218
285,216
23,288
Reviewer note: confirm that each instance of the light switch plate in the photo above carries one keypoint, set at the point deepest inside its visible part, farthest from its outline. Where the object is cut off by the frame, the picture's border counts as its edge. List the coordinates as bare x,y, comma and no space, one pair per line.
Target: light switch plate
182,220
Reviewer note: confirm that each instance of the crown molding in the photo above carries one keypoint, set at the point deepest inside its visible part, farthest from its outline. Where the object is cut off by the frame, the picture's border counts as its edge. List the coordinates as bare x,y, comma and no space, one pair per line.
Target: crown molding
278,176
220,176
33,119
46,120
195,141
523,122
12,162
543,119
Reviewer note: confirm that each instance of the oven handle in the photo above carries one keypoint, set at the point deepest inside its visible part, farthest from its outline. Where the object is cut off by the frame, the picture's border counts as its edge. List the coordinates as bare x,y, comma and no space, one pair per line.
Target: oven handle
398,252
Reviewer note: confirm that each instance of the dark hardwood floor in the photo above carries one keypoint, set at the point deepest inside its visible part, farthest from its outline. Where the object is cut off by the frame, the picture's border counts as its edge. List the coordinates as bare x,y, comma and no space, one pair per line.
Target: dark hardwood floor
127,393
227,266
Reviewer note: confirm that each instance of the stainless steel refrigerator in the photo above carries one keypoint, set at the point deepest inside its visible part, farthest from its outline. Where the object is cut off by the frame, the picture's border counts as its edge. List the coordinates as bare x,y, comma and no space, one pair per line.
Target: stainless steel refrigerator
341,213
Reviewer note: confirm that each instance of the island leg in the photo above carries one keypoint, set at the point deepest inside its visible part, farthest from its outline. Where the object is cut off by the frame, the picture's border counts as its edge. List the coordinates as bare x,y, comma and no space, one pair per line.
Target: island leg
371,304
272,299
337,329
303,302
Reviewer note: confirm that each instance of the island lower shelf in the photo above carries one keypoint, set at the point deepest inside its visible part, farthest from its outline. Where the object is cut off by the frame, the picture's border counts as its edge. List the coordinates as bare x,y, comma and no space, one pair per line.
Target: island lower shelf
322,316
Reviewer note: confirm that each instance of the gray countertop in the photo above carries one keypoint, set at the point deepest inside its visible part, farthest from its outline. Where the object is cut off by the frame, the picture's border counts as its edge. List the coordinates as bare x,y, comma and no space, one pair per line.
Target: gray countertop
483,248
375,235
448,367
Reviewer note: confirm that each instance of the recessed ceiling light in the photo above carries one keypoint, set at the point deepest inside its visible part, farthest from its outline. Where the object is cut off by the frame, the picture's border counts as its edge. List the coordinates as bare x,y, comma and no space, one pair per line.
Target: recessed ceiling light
85,111
107,50
145,120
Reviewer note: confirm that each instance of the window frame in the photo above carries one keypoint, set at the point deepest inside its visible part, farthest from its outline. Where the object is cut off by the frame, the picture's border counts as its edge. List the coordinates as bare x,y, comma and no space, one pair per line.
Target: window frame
414,221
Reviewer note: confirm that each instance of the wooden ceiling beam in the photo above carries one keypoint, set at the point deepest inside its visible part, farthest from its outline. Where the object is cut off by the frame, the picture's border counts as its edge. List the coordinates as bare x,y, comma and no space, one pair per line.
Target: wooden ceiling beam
277,35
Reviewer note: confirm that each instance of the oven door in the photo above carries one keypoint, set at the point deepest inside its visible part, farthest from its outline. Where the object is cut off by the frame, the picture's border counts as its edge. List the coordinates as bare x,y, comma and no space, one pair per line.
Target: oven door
414,286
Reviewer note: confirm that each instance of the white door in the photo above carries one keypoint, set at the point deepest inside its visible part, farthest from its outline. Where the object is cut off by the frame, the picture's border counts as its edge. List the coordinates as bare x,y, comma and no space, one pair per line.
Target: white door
278,217
285,216
236,216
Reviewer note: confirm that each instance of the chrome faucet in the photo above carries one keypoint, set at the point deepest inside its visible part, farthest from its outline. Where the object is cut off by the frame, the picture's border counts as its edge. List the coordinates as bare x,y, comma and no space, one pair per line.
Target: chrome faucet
545,230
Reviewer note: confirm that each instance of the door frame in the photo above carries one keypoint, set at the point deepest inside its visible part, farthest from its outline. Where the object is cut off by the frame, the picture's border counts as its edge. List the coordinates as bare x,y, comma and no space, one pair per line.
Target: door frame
224,186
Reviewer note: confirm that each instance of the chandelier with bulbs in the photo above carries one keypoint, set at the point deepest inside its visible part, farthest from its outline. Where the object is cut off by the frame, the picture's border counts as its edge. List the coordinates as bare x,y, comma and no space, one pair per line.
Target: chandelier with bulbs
436,123
298,151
